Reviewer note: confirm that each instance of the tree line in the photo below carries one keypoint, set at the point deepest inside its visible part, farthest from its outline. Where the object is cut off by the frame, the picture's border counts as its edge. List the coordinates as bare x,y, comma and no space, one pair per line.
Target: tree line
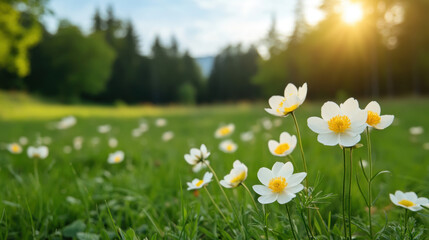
386,53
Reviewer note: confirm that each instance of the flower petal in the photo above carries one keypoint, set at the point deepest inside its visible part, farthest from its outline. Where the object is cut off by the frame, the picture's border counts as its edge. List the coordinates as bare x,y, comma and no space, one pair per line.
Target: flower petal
330,110
318,125
286,170
373,107
285,197
261,189
296,179
347,140
276,168
295,189
270,198
265,175
328,139
285,137
290,90
385,121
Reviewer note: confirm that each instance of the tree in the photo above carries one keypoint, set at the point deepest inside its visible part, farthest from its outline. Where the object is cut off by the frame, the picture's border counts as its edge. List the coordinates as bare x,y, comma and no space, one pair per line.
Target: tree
82,67
19,31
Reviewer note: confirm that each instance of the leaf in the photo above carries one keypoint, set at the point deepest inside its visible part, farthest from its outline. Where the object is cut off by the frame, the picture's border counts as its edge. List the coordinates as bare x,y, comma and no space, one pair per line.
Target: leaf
72,229
361,191
379,173
87,236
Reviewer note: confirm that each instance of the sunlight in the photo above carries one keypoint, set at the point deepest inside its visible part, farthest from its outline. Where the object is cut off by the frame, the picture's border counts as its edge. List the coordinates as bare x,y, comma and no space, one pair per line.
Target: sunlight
352,12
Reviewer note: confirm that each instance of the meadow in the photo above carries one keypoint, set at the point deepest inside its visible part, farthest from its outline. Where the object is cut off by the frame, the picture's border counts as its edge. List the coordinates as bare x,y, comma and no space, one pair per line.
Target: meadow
77,194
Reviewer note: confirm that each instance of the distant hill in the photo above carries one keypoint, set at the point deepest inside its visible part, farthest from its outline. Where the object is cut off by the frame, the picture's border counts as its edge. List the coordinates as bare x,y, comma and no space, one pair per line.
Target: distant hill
206,65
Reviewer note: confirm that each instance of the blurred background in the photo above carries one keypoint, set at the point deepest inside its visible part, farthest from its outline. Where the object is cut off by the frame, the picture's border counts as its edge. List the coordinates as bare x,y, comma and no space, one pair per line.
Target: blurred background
203,51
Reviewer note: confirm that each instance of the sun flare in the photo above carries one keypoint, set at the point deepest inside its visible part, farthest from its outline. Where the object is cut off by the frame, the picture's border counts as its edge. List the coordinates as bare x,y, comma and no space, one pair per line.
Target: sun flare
352,12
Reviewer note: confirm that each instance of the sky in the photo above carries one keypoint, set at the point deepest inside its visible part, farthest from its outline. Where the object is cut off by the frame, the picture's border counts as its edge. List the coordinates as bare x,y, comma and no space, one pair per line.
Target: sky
203,27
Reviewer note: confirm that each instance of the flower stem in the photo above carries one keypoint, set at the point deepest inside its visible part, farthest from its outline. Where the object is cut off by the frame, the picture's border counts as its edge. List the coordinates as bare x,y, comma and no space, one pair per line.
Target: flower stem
350,193
265,221
344,194
220,186
304,163
217,207
36,172
368,140
405,223
290,221
250,194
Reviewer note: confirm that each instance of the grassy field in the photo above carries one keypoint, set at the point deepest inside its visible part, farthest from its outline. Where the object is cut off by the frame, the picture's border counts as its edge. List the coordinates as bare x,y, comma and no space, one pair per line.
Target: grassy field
79,195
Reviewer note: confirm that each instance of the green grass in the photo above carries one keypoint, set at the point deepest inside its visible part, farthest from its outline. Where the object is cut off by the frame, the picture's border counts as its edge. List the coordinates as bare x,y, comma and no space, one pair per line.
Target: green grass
81,192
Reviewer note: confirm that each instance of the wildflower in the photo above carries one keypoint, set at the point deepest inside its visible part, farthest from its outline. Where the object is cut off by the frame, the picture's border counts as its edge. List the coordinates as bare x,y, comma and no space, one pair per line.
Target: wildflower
374,119
247,136
77,142
167,136
426,146
228,146
104,128
14,148
38,152
339,124
66,122
286,145
418,130
113,142
23,141
46,140
116,157
408,200
160,122
197,183
279,184
137,132
225,130
197,158
267,124
292,99
237,175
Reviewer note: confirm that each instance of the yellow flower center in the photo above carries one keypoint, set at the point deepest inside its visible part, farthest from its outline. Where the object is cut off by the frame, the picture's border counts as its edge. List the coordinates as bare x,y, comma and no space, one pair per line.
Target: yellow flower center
277,184
36,155
406,203
373,118
229,147
339,124
224,131
199,183
15,148
117,159
239,178
285,110
280,149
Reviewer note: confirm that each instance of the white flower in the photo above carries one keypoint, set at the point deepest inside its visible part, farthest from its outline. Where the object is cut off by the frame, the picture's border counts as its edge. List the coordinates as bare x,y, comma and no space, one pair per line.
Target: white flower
144,127
14,148
228,146
426,146
418,130
237,175
66,122
160,122
77,142
267,124
116,157
23,141
279,184
38,152
197,158
286,145
137,132
292,99
197,155
225,130
197,183
374,119
167,136
113,142
339,124
408,200
104,128
277,122
247,136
